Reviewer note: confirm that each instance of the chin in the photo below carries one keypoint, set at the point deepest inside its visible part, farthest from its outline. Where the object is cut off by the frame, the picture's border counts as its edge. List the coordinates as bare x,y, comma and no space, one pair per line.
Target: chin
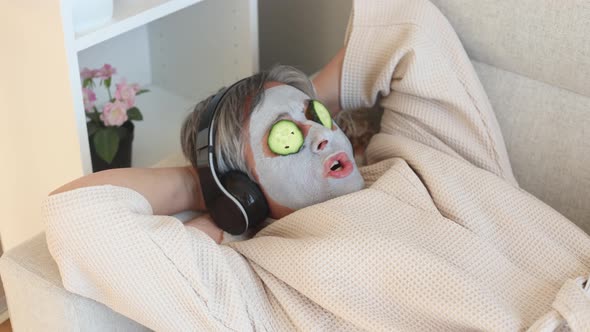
352,183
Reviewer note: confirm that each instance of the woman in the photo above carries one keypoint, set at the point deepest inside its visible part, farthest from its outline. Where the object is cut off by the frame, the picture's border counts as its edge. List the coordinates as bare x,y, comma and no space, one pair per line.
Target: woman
442,238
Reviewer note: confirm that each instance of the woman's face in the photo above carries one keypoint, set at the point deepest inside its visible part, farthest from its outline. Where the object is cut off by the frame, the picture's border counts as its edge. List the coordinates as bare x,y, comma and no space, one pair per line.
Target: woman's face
307,159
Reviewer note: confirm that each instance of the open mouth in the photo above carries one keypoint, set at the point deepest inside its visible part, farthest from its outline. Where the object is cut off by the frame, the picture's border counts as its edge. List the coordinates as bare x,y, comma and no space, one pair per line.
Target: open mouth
338,166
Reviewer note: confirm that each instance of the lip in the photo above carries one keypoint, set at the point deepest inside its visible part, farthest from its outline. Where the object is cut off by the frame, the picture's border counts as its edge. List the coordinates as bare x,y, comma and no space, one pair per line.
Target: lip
344,171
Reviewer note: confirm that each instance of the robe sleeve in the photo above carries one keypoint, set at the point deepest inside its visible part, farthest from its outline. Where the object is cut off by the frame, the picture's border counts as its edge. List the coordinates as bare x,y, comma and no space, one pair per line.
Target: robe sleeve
110,247
407,53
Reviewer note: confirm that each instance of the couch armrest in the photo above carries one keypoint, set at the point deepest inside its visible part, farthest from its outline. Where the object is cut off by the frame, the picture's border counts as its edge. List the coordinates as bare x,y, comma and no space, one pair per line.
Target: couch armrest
37,300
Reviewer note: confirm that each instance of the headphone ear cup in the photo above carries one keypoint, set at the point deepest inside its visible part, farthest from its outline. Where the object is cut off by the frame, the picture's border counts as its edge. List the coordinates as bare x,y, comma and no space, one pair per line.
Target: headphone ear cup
228,216
248,194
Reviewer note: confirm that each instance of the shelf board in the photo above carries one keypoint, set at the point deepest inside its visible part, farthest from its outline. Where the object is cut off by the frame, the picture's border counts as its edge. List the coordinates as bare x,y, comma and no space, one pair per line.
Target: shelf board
128,15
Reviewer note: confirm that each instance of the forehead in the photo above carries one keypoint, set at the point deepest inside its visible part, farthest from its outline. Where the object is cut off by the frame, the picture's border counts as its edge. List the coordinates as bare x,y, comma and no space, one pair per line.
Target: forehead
278,100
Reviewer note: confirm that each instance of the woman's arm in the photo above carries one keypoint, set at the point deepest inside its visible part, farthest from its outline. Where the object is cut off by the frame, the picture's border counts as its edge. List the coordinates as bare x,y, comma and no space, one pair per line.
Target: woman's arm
168,190
327,82
111,247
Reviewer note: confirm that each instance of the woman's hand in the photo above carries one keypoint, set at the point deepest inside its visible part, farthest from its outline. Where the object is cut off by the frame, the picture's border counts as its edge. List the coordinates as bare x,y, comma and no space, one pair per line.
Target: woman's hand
205,224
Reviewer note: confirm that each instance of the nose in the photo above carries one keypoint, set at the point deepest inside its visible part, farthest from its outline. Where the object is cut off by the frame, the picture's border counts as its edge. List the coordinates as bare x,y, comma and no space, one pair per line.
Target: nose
319,144
319,137
322,145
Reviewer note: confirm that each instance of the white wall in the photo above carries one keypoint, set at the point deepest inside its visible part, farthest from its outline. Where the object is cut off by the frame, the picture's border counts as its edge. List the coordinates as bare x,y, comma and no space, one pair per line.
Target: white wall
38,145
302,33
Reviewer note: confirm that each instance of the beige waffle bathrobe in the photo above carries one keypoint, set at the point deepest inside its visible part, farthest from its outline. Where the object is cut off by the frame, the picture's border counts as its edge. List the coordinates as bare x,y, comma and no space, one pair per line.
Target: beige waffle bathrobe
441,239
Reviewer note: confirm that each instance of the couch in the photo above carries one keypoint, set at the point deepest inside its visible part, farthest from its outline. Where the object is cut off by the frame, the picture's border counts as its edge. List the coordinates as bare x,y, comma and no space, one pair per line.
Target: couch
533,58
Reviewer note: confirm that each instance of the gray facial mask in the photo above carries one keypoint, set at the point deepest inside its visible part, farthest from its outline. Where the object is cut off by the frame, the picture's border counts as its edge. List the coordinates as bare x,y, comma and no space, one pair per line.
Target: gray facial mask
304,178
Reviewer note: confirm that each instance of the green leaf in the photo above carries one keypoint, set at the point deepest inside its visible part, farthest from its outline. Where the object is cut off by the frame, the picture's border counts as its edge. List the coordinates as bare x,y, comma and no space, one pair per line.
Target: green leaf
88,82
142,91
134,114
92,128
106,142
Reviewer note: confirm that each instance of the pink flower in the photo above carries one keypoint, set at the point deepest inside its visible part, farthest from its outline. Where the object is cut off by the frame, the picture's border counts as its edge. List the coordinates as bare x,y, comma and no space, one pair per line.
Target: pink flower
114,114
88,73
106,71
89,99
126,92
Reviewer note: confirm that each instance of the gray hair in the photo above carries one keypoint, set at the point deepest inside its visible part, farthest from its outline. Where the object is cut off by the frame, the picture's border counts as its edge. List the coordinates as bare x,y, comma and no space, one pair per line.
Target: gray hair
231,114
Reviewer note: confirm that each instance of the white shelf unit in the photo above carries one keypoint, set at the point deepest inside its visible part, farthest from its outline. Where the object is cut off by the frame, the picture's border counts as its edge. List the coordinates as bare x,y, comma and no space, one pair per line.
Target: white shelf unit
182,50
128,15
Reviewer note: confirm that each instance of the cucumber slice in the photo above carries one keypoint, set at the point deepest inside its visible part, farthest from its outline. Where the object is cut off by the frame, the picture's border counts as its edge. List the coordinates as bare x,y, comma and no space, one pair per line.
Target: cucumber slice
285,138
317,112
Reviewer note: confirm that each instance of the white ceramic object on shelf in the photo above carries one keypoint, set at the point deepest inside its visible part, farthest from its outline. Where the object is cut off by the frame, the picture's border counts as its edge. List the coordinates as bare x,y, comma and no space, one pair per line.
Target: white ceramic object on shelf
89,14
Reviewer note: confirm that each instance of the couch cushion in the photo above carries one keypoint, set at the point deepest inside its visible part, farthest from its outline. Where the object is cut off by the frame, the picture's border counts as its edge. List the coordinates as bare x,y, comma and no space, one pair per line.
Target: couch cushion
533,58
37,300
547,134
545,40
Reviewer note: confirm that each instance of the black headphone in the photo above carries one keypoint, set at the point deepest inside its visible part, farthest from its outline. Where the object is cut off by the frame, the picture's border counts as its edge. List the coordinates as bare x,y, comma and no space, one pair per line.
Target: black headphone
234,201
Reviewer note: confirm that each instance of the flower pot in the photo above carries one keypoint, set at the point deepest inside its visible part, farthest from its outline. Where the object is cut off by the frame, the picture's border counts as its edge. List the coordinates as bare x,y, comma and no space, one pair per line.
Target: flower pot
122,158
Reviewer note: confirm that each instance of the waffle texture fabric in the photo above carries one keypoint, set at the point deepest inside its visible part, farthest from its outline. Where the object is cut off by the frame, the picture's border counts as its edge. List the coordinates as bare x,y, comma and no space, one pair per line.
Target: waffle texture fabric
441,239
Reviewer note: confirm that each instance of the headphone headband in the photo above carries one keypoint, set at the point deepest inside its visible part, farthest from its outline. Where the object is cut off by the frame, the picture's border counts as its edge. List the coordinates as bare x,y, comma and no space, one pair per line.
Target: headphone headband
234,201
205,136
